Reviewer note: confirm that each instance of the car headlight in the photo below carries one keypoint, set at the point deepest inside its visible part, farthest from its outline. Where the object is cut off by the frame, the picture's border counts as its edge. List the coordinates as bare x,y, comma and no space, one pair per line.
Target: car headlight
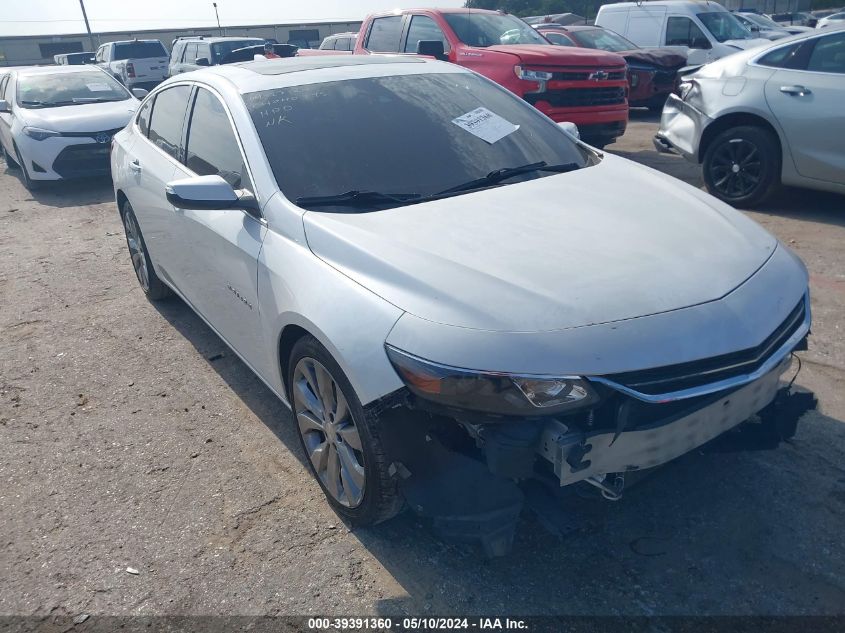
39,134
491,392
531,75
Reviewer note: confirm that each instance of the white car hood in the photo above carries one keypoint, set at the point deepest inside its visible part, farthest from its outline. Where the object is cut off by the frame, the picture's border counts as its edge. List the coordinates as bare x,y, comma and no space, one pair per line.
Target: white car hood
86,117
606,243
748,44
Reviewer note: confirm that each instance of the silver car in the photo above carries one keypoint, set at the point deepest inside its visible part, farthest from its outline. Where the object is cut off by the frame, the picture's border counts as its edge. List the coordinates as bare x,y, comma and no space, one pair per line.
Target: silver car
425,268
764,117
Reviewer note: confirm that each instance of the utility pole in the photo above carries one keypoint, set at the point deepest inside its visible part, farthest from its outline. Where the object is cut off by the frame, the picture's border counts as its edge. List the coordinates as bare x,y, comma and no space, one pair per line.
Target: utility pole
216,15
87,25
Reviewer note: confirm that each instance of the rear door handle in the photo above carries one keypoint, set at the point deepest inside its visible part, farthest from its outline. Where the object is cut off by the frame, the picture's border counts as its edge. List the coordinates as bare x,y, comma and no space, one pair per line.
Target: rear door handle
799,91
135,166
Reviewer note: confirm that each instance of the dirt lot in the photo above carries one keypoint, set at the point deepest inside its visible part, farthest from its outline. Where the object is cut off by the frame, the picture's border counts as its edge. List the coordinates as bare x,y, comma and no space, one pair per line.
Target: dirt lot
132,438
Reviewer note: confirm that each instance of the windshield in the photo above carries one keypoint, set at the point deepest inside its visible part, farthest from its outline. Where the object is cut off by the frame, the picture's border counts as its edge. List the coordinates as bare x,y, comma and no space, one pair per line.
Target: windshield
405,139
602,39
488,29
139,50
57,89
219,50
724,26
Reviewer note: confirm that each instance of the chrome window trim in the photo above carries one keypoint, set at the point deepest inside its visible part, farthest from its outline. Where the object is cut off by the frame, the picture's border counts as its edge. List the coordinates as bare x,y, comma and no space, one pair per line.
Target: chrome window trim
181,165
728,383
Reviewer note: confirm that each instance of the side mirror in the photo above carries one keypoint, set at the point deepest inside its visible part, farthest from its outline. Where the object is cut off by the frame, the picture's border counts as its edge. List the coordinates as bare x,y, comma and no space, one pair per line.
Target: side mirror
140,93
432,48
5,108
207,193
570,128
202,61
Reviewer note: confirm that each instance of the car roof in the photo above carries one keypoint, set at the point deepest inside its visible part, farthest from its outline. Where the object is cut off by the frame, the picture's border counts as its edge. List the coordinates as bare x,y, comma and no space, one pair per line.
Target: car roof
222,38
570,27
697,5
256,76
300,64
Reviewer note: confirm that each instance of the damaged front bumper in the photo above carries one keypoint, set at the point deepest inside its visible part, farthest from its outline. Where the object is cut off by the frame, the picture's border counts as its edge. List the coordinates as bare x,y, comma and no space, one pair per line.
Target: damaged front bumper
681,128
577,454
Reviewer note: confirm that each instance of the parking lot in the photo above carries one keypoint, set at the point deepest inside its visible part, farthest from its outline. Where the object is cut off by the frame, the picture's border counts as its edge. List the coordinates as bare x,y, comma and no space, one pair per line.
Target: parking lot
132,438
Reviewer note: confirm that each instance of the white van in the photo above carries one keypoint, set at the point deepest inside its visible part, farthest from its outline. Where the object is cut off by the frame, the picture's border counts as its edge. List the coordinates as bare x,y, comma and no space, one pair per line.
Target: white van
705,31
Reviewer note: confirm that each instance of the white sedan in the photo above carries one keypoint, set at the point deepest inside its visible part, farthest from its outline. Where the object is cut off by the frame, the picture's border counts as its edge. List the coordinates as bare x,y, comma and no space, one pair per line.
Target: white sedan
58,121
837,19
402,249
760,118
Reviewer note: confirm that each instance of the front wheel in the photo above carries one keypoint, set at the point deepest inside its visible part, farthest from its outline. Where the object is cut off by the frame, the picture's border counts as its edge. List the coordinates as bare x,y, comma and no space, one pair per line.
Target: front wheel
11,163
28,182
341,443
742,166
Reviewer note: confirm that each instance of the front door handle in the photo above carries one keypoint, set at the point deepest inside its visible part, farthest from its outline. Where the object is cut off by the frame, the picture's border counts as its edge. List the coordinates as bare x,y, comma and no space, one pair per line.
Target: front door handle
799,91
135,166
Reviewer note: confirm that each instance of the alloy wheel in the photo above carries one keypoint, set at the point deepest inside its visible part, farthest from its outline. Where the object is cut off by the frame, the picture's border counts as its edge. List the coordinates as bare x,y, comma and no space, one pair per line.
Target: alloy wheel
328,432
136,249
736,169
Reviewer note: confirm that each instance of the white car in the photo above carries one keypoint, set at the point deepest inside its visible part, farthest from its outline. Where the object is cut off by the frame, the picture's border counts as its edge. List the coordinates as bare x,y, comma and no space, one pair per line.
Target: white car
705,31
764,117
58,121
413,257
837,19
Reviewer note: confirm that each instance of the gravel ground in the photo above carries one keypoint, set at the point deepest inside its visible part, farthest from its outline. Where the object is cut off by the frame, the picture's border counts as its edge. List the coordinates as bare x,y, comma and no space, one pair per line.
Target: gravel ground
132,438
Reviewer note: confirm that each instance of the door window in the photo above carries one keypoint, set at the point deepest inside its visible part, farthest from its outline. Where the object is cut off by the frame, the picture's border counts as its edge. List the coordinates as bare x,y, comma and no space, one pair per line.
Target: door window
558,38
829,55
423,28
212,146
384,34
203,50
681,31
143,119
190,52
168,118
3,84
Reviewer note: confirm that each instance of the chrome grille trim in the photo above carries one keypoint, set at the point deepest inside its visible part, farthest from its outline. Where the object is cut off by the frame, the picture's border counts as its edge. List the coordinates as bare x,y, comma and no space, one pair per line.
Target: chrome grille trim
728,383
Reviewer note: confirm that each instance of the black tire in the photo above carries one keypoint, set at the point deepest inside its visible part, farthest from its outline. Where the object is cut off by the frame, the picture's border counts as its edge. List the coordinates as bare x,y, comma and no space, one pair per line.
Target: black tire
152,286
28,182
742,166
598,143
381,497
656,108
11,163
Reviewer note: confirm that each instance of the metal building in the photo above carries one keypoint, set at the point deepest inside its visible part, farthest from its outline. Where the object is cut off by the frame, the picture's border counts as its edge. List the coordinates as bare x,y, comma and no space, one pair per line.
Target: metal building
27,50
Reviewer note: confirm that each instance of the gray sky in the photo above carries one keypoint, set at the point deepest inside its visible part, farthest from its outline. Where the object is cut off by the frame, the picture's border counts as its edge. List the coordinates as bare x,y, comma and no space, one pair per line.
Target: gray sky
47,17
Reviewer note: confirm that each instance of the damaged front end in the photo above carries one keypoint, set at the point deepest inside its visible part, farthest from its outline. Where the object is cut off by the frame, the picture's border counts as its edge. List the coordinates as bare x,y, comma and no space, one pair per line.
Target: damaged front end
462,442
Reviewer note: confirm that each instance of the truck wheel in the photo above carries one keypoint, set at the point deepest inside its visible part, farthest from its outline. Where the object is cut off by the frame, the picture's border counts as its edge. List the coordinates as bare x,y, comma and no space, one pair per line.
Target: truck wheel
742,166
342,444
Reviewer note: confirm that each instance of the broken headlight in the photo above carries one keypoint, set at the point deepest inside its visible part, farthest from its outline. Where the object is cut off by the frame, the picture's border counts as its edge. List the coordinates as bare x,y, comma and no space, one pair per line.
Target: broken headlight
491,392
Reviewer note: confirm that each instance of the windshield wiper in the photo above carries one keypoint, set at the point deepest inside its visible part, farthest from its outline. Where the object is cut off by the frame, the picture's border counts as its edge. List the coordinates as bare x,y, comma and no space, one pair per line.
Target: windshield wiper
499,175
356,198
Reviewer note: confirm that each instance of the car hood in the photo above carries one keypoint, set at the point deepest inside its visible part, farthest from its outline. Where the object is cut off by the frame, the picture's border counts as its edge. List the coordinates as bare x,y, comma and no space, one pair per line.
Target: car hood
748,44
660,57
88,117
552,55
606,243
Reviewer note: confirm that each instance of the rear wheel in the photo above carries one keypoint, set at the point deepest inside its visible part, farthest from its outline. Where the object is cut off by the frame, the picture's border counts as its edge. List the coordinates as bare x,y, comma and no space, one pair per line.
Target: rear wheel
342,444
742,166
141,262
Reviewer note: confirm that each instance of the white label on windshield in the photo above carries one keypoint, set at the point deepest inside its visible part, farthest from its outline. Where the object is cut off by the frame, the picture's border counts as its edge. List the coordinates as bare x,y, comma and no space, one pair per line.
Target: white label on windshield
486,125
99,87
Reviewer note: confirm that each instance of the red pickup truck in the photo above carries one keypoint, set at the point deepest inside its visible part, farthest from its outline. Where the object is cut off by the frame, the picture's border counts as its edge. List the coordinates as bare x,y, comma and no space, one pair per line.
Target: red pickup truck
584,86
